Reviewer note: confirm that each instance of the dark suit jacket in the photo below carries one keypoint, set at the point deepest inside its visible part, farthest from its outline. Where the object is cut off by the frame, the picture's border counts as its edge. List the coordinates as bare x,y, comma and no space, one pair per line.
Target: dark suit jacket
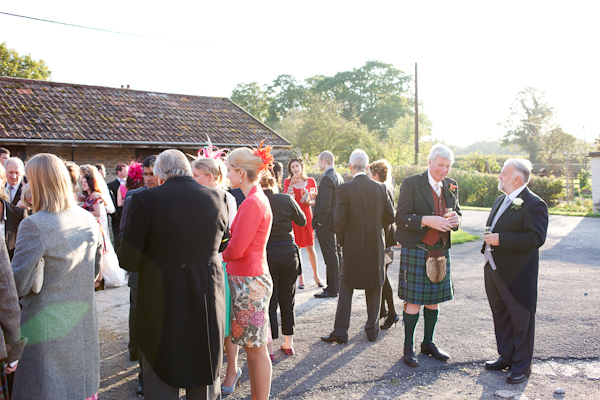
324,209
363,210
415,202
113,187
174,243
17,195
522,233
132,281
14,216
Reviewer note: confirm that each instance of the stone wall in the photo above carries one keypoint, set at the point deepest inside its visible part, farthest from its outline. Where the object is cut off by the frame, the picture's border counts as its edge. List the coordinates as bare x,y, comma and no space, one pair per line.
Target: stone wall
596,180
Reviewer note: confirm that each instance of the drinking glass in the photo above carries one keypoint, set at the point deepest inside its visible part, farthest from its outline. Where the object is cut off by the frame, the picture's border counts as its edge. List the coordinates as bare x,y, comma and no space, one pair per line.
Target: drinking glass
448,212
487,230
313,193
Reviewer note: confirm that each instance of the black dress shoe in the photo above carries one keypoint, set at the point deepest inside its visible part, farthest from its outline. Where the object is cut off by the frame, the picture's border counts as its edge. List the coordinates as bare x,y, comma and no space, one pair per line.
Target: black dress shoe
140,388
389,321
515,378
410,358
325,294
332,337
432,350
498,365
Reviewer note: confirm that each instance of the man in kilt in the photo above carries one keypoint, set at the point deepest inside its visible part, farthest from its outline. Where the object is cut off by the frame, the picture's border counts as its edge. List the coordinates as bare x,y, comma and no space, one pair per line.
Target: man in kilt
424,225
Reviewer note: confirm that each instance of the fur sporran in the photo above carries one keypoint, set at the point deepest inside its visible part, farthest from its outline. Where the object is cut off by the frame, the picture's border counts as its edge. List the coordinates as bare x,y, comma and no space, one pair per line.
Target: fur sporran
436,265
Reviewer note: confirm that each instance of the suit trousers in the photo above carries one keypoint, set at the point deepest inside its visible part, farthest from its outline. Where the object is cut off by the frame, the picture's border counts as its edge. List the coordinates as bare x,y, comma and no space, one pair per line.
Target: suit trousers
116,229
332,256
132,346
284,266
156,389
387,295
514,325
344,310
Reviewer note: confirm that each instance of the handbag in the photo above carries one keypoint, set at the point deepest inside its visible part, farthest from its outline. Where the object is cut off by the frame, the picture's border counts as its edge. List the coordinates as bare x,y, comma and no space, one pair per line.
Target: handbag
38,278
436,265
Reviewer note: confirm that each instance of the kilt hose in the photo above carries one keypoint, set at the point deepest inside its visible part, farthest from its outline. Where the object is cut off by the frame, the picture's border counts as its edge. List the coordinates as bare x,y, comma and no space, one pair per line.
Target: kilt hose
414,286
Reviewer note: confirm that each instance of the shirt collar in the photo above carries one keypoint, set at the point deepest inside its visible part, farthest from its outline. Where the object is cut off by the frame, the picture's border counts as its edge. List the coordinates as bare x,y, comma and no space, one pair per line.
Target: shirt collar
327,169
122,181
359,173
432,181
516,192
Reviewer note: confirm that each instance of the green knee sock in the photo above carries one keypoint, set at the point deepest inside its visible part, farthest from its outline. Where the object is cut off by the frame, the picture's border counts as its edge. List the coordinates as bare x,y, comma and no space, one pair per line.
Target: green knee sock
410,323
430,317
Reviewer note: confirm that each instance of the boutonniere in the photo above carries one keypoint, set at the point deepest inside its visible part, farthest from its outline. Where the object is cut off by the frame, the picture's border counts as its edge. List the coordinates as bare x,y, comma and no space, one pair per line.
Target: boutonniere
453,188
517,203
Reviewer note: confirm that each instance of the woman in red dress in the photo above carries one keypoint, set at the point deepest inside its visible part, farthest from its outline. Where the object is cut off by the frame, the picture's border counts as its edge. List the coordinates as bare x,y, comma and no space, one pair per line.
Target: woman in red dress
304,190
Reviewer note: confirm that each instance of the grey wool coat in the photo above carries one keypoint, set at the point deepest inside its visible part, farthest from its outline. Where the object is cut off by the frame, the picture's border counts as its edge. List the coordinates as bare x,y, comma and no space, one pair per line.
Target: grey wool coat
11,344
62,358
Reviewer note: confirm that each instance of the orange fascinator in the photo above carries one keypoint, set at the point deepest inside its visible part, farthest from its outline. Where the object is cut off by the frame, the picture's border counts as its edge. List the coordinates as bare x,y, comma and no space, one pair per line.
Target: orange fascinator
265,154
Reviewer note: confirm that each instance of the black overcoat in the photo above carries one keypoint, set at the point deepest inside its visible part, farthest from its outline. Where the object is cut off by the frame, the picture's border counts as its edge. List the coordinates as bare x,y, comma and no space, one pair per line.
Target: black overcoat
172,239
363,210
522,232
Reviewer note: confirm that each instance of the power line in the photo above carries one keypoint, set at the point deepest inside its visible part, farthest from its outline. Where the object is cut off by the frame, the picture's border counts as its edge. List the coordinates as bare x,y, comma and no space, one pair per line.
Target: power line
96,29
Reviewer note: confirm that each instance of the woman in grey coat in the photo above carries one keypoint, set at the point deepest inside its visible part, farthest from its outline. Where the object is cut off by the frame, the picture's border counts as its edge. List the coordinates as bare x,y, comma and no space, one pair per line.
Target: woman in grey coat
61,359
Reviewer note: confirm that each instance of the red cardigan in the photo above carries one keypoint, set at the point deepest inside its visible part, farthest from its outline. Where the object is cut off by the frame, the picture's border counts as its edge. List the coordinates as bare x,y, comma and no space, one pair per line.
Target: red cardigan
246,253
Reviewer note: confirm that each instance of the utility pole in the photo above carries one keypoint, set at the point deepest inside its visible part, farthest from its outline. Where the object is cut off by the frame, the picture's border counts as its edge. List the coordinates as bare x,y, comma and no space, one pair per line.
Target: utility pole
416,119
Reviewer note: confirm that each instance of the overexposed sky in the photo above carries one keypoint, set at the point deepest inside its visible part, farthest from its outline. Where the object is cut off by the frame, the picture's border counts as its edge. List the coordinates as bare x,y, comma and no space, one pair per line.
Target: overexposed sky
473,57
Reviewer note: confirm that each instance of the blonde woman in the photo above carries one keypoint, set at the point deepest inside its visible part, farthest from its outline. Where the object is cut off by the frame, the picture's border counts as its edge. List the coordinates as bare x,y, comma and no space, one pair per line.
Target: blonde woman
249,279
62,358
208,171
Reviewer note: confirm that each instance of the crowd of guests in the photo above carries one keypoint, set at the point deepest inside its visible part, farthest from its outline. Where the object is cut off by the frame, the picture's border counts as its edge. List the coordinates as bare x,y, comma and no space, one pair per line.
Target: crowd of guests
212,250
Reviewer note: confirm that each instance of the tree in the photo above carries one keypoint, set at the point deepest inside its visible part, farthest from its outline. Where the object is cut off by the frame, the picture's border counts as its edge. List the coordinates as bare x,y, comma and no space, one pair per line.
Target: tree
252,98
477,162
285,95
399,146
321,127
13,65
529,119
375,94
554,145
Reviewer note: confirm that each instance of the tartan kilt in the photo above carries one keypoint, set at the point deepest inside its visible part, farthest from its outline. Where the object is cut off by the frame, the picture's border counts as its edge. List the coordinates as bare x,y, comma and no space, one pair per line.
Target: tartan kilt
413,284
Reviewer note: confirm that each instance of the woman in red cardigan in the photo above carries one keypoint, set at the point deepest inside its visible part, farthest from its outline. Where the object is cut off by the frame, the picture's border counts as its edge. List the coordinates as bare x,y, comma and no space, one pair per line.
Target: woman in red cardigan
248,272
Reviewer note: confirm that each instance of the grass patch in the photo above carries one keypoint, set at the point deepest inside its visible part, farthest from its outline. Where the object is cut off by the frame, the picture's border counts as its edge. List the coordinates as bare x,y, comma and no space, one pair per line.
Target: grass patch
461,236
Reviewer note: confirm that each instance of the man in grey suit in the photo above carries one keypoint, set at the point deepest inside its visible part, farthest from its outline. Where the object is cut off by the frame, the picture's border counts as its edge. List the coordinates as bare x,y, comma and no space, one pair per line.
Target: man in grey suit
519,222
323,221
363,209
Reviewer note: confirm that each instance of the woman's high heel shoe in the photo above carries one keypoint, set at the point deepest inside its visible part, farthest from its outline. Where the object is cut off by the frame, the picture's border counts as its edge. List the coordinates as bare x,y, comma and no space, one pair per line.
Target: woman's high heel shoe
229,390
389,321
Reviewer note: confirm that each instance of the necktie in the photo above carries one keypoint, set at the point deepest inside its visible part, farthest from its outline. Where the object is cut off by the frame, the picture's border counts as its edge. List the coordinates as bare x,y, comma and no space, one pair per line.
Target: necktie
13,192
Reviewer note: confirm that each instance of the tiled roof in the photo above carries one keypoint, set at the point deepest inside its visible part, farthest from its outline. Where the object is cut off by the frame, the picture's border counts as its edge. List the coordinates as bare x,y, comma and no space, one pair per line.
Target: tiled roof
32,110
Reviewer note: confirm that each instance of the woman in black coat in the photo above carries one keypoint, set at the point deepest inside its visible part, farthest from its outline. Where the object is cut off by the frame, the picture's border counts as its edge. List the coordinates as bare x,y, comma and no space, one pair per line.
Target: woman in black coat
381,171
284,262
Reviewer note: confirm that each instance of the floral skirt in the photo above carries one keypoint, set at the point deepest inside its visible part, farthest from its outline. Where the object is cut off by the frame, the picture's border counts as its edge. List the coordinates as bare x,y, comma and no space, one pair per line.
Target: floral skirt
250,297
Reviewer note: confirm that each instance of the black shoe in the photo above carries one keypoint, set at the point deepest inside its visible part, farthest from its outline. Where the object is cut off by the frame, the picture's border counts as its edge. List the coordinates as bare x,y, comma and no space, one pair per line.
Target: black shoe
133,355
140,388
325,294
332,337
389,321
432,350
498,365
409,357
515,378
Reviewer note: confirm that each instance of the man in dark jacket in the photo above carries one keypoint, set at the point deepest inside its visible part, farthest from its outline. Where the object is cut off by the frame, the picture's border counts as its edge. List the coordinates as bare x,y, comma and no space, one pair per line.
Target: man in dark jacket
363,209
519,222
179,229
113,187
323,222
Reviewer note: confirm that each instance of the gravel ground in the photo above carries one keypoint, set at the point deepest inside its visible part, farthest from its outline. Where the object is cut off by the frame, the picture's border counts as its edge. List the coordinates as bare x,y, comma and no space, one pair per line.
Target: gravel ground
567,338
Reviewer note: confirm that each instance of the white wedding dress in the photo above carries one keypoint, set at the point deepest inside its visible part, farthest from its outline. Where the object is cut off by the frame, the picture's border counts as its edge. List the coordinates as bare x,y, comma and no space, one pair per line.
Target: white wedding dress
112,273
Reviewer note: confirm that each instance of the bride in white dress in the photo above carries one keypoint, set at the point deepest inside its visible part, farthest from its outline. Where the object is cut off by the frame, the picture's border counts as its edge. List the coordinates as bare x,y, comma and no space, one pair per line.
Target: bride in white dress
98,202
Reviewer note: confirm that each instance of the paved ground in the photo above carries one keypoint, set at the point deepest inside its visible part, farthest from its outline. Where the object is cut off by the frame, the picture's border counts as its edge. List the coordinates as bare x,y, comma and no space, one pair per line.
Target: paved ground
567,338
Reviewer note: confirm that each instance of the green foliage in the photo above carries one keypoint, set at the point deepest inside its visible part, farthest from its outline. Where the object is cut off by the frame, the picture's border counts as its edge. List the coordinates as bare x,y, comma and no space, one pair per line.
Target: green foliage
579,205
399,146
584,177
476,189
321,127
553,145
16,66
252,98
374,93
285,95
530,117
476,162
488,147
549,189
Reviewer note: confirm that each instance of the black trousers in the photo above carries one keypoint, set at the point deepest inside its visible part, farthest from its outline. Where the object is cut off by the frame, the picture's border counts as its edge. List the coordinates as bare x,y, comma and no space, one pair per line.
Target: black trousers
284,265
332,256
514,325
116,228
387,295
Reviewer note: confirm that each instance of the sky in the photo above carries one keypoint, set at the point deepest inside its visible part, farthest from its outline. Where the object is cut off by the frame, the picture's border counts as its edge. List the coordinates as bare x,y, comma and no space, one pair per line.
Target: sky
473,56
